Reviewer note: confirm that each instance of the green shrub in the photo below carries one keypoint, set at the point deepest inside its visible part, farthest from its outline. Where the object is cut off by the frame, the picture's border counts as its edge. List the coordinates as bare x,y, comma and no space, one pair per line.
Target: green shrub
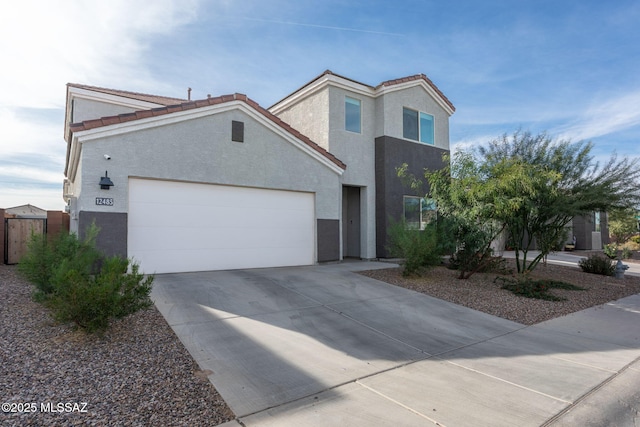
627,253
80,285
636,239
91,301
536,288
611,250
596,264
44,256
419,248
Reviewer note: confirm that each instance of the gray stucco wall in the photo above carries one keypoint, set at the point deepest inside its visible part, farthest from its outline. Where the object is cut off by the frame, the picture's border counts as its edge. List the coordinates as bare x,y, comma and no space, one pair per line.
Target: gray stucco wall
328,240
390,107
584,230
309,116
391,153
85,109
112,238
201,150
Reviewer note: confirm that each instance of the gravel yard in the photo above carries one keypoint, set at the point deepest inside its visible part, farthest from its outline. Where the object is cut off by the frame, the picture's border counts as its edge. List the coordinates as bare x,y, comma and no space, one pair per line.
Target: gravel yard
137,374
482,294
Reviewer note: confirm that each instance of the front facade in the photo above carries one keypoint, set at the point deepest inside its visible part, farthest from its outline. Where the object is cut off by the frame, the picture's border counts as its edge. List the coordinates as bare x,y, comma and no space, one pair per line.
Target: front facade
223,183
373,130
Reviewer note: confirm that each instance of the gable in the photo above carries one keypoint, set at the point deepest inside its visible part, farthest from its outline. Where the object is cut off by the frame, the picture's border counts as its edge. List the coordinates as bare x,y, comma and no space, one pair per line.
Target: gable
124,124
328,78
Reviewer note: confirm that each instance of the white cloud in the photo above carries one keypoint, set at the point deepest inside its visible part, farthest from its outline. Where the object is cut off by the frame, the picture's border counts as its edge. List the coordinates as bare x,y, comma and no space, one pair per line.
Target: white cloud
604,118
51,43
22,136
46,44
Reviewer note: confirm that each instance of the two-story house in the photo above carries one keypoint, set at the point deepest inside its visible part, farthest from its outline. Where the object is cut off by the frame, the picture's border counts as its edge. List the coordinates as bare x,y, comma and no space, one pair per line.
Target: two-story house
223,183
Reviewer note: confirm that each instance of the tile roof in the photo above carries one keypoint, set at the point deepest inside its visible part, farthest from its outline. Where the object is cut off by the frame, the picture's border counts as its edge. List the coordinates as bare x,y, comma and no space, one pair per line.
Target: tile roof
189,105
383,84
414,78
155,99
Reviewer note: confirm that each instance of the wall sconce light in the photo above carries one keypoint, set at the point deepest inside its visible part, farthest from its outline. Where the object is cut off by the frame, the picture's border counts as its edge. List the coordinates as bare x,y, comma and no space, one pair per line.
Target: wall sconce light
105,182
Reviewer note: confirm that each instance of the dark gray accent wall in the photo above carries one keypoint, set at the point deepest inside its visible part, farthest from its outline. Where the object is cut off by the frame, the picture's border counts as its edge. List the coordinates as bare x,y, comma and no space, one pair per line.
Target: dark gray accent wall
328,240
112,239
391,153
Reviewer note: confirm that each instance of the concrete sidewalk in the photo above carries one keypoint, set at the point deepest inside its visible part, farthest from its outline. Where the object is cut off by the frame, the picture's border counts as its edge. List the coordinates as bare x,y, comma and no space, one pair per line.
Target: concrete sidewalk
321,345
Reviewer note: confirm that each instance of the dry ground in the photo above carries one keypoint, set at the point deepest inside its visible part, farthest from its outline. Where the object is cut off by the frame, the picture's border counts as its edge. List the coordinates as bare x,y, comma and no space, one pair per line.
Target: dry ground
482,293
138,373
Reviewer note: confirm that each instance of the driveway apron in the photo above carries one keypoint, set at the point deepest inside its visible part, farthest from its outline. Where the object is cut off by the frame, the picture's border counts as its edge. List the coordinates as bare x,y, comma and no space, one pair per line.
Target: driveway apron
323,345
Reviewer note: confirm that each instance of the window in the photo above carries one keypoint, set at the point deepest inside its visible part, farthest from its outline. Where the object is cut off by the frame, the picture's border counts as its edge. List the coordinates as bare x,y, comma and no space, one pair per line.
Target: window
237,131
597,221
352,115
418,212
417,126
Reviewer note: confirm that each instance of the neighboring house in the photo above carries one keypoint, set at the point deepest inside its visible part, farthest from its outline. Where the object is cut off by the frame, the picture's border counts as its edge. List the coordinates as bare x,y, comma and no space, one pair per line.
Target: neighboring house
25,211
592,232
222,183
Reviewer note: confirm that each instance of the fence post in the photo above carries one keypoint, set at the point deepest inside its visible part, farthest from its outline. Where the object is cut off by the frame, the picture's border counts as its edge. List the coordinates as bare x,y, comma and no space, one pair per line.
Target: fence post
3,237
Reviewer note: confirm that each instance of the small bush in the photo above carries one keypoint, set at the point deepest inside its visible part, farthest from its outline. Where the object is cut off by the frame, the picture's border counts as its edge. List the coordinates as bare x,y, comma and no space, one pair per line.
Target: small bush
538,289
80,285
636,239
627,253
419,248
91,301
597,265
611,251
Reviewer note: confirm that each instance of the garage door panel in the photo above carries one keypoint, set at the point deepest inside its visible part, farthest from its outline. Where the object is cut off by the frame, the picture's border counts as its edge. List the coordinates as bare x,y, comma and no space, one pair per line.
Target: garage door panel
190,227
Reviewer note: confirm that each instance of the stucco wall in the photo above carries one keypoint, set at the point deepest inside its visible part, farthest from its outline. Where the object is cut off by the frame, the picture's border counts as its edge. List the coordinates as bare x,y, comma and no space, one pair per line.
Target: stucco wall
415,98
357,150
309,116
86,109
201,150
391,153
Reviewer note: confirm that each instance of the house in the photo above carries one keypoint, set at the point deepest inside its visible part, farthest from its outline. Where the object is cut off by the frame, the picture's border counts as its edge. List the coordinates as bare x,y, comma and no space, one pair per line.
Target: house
25,211
223,183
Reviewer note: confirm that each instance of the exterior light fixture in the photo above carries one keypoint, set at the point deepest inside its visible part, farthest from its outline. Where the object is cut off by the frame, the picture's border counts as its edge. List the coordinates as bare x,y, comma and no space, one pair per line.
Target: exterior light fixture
105,182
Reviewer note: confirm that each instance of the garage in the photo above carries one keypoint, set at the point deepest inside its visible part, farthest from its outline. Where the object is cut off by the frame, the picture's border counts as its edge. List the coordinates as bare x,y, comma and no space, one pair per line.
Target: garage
178,227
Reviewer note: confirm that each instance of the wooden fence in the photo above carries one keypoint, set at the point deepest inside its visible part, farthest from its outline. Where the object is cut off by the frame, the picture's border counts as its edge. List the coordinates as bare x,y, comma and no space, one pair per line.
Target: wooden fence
16,233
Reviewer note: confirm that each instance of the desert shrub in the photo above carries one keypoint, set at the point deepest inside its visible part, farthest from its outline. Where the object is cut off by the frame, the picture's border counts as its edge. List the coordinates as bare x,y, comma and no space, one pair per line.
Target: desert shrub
473,252
636,239
536,288
80,285
419,248
610,250
90,301
626,253
596,264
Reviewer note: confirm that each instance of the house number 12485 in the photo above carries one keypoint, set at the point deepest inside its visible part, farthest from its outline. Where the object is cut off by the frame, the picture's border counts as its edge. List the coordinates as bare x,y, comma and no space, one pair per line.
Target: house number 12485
104,201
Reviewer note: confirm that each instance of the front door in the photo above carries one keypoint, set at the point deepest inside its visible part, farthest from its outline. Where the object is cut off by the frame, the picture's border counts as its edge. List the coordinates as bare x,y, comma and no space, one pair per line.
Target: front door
351,222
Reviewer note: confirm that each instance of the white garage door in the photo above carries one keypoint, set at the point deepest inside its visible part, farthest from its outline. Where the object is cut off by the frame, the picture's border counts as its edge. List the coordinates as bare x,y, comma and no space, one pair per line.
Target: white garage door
175,226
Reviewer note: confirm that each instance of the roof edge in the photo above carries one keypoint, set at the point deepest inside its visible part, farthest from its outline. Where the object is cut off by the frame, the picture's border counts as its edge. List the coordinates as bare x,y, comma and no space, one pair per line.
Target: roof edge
191,105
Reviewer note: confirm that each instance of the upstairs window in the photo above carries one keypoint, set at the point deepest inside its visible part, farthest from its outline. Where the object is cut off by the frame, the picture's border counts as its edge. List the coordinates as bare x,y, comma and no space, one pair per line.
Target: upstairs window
417,126
352,115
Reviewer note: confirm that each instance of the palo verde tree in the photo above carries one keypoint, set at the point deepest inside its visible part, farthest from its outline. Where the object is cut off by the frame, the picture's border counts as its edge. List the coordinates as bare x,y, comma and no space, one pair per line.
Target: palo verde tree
539,184
529,186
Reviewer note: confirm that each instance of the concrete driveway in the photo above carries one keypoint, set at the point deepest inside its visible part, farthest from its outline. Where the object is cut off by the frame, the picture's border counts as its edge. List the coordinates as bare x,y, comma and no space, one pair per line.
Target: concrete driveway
322,345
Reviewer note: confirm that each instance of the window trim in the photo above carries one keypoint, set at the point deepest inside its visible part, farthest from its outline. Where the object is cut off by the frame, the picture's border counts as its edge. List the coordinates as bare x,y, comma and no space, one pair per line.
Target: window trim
419,115
348,98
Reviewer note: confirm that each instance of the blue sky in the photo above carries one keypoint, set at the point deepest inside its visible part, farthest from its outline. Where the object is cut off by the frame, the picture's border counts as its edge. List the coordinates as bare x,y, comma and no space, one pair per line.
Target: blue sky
571,68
